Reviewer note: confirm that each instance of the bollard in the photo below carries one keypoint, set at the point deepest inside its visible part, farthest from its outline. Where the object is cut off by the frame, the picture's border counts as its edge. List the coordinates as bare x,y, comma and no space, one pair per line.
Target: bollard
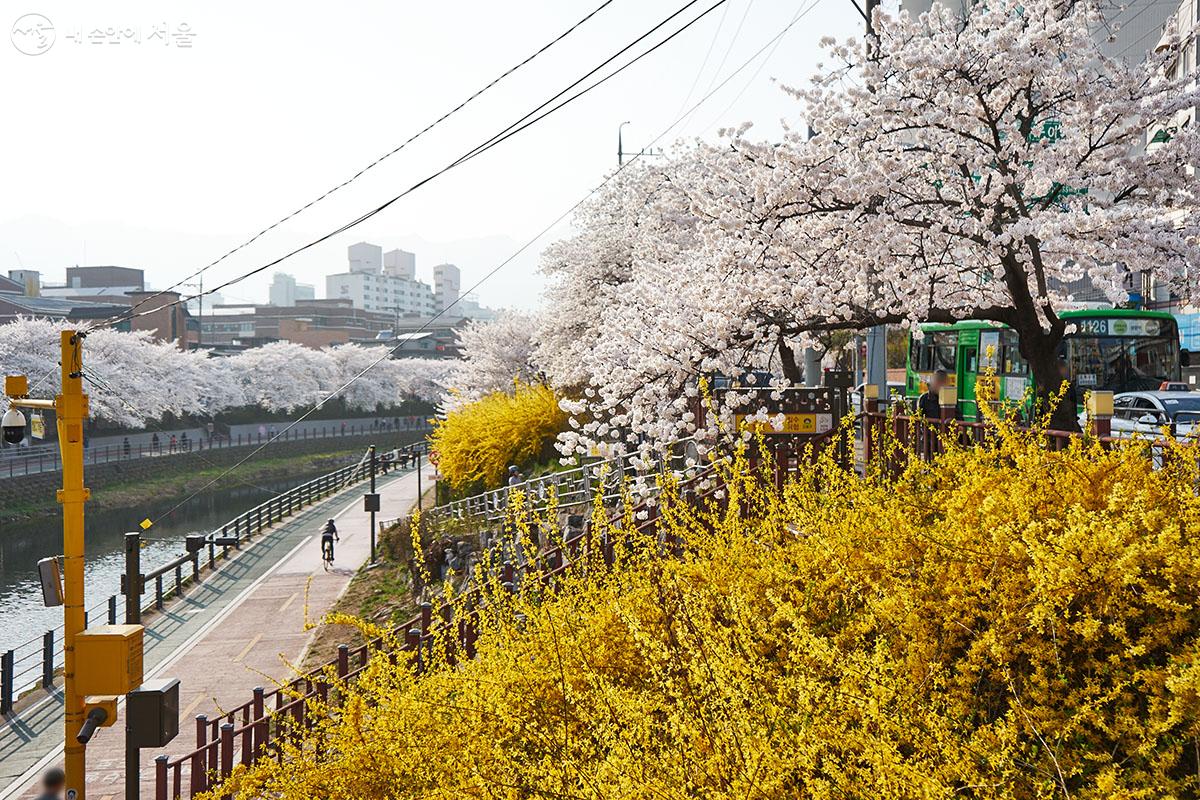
48,659
6,683
133,579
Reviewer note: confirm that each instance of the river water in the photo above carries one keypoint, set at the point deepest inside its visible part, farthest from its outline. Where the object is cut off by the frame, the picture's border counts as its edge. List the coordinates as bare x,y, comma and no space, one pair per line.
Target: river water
22,544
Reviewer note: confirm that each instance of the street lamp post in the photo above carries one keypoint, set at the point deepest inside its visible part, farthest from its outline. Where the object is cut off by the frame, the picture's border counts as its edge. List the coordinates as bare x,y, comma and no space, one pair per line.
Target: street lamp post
71,409
620,147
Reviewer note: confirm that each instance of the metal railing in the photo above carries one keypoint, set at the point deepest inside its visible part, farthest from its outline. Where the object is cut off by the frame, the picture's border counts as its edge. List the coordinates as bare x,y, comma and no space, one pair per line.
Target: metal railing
35,663
16,462
574,487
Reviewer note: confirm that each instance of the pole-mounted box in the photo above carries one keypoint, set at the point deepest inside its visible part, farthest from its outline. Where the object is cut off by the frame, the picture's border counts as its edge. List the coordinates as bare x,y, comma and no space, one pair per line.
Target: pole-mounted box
108,659
51,578
16,385
152,713
370,502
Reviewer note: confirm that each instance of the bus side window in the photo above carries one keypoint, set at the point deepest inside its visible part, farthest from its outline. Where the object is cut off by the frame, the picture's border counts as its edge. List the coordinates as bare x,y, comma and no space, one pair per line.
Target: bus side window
945,352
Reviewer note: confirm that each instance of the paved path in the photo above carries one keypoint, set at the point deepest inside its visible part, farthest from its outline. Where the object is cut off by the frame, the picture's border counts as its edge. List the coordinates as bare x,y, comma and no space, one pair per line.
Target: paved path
229,634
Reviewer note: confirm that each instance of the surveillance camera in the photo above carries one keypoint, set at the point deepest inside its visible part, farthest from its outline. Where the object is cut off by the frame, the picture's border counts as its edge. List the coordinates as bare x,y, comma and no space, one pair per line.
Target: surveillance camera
13,425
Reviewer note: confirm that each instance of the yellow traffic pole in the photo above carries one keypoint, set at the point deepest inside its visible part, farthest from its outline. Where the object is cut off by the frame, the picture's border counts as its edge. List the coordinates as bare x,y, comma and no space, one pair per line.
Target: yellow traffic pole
71,409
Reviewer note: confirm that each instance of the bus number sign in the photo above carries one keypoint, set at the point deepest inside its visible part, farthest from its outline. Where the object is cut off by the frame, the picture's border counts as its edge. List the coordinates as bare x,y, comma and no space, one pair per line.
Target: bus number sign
1100,326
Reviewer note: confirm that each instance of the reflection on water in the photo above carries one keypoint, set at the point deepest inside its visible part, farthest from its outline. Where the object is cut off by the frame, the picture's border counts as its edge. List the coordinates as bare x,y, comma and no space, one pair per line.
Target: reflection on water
22,544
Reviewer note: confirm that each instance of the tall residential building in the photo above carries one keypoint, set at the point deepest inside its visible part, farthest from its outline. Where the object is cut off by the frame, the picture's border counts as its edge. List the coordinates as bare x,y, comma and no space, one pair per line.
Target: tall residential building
365,257
286,292
371,286
447,283
400,264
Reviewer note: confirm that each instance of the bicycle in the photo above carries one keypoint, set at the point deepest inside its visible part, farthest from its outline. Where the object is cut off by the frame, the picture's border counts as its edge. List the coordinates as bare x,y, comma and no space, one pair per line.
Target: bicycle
328,535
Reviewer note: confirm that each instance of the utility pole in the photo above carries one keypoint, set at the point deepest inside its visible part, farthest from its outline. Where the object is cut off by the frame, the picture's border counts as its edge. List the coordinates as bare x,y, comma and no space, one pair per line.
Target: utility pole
876,366
71,409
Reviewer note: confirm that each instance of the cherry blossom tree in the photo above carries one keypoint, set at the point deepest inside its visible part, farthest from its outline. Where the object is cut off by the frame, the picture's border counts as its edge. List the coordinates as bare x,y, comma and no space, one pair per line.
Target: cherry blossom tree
975,165
495,353
131,378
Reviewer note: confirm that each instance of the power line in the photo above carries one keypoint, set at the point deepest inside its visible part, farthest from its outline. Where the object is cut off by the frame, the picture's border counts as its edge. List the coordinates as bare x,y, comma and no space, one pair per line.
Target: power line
530,118
758,70
708,54
388,154
533,240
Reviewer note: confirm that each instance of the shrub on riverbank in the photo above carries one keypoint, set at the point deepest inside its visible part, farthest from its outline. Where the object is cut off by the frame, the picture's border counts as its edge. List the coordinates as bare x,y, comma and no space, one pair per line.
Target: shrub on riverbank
478,441
1008,622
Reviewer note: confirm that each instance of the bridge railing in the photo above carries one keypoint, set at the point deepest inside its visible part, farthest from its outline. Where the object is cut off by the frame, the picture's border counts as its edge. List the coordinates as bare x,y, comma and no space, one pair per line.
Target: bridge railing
35,663
33,460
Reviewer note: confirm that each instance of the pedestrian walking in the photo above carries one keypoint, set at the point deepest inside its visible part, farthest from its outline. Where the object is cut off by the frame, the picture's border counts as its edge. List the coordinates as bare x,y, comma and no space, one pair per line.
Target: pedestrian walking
125,447
155,447
53,782
171,444
262,431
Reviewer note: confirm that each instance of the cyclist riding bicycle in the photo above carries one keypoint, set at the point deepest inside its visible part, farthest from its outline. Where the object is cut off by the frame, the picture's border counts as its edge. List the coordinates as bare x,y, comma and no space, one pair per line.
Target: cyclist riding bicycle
329,535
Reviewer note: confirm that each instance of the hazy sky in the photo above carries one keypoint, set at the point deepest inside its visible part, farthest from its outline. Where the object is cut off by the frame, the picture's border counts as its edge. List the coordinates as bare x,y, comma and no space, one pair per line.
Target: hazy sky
144,153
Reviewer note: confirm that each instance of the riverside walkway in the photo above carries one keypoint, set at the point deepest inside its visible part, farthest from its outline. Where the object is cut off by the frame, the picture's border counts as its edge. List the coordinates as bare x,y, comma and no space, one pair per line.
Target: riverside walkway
238,629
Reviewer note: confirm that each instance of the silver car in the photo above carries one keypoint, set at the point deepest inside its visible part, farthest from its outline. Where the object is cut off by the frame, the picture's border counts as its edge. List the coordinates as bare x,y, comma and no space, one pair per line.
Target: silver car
1147,413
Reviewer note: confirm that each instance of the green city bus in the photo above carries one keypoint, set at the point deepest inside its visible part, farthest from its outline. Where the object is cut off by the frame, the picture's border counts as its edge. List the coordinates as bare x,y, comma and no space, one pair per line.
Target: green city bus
1120,350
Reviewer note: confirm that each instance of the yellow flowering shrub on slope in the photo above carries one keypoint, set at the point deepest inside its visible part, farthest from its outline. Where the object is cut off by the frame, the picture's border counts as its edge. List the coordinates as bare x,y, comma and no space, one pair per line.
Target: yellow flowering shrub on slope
477,442
1005,623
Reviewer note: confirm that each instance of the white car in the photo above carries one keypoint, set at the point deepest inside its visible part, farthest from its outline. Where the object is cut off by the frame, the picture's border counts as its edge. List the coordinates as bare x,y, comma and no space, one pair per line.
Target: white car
1147,413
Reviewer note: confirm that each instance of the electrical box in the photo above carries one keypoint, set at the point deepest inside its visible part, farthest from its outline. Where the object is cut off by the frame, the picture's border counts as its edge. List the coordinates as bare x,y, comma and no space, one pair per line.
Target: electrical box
108,659
194,542
370,502
152,713
106,701
16,385
51,577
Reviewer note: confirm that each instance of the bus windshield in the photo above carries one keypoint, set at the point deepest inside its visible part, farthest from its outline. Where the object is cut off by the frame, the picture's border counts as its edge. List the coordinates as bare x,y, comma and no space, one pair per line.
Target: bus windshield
1123,363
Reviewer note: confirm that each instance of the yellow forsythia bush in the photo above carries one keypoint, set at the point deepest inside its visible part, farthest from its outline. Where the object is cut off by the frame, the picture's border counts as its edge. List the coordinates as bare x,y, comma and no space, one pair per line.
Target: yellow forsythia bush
477,442
1005,623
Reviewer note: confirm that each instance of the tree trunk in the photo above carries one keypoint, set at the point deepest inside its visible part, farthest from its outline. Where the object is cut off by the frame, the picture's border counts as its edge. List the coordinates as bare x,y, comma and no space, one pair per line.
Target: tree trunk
787,358
1040,350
